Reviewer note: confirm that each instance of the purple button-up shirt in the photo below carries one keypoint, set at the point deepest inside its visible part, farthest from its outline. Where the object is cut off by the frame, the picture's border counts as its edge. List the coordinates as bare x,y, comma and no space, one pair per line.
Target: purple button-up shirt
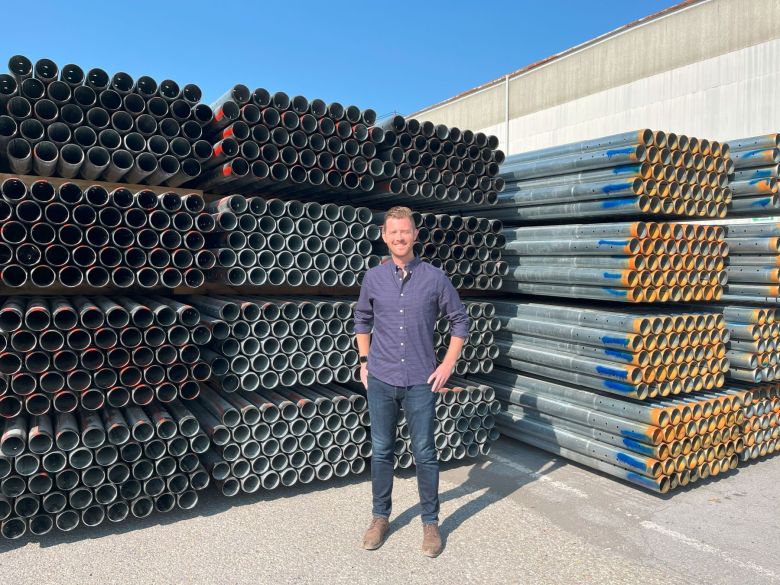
403,314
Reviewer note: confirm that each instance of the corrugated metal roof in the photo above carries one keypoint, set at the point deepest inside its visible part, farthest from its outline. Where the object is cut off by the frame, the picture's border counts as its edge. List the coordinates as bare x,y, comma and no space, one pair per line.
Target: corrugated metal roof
634,24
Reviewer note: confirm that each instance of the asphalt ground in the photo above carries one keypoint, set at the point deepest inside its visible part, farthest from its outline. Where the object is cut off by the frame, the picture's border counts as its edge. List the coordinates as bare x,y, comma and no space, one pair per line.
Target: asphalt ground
518,515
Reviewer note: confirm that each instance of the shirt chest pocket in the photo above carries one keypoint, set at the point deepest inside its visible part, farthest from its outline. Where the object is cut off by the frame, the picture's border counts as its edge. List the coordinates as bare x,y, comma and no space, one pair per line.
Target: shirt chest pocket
424,303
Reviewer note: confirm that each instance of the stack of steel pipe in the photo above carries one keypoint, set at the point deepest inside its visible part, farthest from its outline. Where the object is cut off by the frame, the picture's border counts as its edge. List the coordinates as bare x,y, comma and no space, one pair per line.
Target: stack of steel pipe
276,342
761,427
634,174
480,349
65,123
753,182
433,167
464,427
66,235
754,344
467,248
636,354
753,262
266,343
275,242
88,467
659,444
267,439
266,142
628,262
64,354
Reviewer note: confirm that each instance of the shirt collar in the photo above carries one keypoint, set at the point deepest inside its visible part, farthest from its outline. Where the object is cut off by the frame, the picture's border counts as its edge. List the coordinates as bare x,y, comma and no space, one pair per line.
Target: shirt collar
409,265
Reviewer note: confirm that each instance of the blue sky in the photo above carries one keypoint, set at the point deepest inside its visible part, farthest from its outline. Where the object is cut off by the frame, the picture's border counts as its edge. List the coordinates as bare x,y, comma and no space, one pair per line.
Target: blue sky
390,56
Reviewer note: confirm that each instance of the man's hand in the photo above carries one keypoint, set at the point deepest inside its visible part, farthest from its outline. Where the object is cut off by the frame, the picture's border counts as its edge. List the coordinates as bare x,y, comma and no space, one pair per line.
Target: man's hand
440,376
364,375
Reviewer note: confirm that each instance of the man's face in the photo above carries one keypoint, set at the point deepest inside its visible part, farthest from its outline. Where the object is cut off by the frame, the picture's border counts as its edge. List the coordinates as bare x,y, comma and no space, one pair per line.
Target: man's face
399,235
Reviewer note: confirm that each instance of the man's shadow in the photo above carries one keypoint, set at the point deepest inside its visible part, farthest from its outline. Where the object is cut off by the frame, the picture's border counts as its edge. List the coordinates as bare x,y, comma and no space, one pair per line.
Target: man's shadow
491,476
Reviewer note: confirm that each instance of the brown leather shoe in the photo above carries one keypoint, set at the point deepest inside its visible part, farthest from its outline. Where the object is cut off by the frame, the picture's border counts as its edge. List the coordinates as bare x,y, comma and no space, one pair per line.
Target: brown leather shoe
375,535
431,545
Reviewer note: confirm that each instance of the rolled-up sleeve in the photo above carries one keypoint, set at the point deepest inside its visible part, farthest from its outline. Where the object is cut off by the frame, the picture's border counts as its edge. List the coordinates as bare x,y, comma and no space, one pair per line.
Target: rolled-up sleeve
364,310
453,309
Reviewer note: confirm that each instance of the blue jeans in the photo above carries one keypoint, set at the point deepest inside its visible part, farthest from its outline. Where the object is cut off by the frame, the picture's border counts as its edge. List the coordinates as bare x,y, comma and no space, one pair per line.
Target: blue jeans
419,405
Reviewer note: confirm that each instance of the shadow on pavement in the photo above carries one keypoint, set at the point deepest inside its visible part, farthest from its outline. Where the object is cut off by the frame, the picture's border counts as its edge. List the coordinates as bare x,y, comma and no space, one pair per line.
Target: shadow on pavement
484,476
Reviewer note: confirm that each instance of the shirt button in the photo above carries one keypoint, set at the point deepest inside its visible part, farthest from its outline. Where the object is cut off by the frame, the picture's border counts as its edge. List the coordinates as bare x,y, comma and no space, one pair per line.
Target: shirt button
402,310
403,360
402,294
402,343
400,327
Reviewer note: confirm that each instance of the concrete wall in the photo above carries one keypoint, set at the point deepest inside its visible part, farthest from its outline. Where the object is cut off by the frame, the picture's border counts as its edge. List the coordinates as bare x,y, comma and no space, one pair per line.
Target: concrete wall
710,69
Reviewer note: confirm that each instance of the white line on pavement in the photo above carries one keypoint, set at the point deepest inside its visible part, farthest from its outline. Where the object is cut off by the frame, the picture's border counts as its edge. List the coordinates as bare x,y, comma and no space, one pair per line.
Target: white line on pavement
708,548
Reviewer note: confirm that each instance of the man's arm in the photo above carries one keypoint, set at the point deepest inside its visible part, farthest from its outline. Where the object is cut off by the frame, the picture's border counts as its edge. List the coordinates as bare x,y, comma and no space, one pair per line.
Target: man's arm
454,311
364,322
453,351
363,342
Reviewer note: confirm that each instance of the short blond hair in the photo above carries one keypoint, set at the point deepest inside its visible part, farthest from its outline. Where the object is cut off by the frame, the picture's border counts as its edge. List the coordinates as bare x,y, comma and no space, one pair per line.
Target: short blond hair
399,212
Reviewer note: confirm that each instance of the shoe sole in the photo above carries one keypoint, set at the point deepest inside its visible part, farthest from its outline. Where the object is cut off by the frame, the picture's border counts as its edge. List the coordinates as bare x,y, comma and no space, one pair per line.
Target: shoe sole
431,555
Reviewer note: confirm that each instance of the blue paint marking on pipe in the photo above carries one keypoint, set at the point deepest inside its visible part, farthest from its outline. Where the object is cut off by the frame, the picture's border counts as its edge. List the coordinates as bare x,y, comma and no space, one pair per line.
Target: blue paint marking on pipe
618,292
609,203
755,181
752,153
618,151
614,340
612,243
632,461
641,479
632,435
615,372
618,386
621,355
613,187
612,275
763,173
637,446
761,202
625,169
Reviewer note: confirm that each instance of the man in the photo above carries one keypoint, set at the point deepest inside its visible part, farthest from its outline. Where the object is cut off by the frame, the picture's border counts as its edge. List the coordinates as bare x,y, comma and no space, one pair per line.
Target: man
400,300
